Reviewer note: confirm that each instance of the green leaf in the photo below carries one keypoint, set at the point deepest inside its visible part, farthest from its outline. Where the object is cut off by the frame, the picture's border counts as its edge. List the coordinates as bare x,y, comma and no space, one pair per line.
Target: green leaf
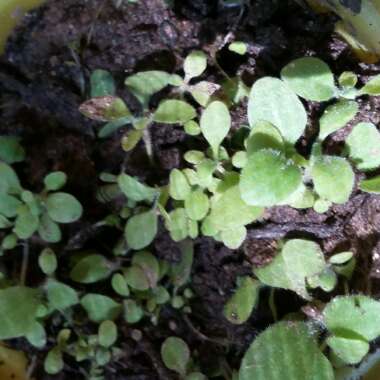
333,178
100,308
49,230
197,205
239,159
286,350
196,376
18,309
234,238
90,269
268,178
11,150
363,145
141,229
136,278
203,91
135,190
215,124
239,307
177,225
194,157
113,126
357,314
180,272
195,64
61,296
37,336
310,78
107,334
143,85
272,100
26,223
119,285
9,182
4,222
348,79
53,363
102,83
238,47
372,87
47,261
130,139
9,205
174,112
371,185
179,187
63,208
297,260
229,211
341,258
150,266
192,128
175,354
336,117
351,351
55,181
133,313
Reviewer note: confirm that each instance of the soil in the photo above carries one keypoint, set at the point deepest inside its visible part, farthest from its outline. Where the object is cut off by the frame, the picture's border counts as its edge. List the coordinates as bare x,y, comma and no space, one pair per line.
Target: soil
44,76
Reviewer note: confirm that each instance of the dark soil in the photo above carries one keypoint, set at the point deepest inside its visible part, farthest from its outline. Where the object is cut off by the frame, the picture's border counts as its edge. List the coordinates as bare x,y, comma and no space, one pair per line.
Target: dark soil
44,78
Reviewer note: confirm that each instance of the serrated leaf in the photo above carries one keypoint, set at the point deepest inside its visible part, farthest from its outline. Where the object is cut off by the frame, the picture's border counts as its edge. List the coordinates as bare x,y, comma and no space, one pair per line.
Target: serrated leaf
90,269
174,112
11,150
371,185
215,124
135,190
351,351
195,64
310,78
63,208
333,178
239,307
336,116
47,261
272,100
61,296
179,187
9,182
297,260
268,178
273,355
197,205
141,229
102,83
363,146
107,333
100,308
175,354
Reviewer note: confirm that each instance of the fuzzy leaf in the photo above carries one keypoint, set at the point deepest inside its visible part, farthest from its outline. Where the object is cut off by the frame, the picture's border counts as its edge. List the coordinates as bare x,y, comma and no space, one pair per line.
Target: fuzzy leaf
264,135
215,124
273,355
63,208
364,146
333,178
195,64
310,78
135,190
297,260
336,117
239,307
100,308
174,112
273,100
268,178
141,229
10,150
175,354
102,83
351,351
90,269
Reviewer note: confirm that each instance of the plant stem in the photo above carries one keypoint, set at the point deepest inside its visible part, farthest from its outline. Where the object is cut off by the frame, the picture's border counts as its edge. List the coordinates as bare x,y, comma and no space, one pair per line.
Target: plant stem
25,263
272,305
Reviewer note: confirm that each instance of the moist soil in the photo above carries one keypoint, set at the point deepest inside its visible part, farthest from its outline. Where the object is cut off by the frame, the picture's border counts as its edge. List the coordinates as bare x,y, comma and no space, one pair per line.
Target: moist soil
44,77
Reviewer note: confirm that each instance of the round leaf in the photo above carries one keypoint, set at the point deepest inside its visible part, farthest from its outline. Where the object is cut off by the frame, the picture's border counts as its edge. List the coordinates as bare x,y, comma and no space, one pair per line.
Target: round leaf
90,269
49,230
100,308
48,261
234,238
195,64
175,354
63,208
141,229
61,296
197,205
54,181
179,187
10,150
174,112
107,334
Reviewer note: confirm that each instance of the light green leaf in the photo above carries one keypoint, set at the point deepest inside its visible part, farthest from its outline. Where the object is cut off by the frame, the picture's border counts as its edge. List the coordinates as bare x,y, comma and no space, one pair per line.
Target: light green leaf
179,187
215,124
26,223
136,278
336,116
10,150
100,308
90,269
63,208
197,205
348,79
234,238
371,185
239,159
363,144
351,351
135,190
192,128
9,182
4,222
130,139
150,266
119,285
297,260
55,181
238,47
239,307
107,334
286,350
194,156
141,229
229,211
47,261
195,64
18,309
143,85
268,178
53,363
341,258
203,91
174,112
372,87
37,336
175,354
177,225
333,178
9,205
102,83
272,100
133,312
310,78
49,230
60,296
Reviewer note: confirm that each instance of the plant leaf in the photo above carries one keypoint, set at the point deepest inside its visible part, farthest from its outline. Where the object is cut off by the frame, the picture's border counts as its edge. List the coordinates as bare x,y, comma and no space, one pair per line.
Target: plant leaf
351,351
54,361
174,112
9,182
150,266
179,187
310,78
47,261
63,208
272,100
11,150
372,87
90,269
371,185
49,230
102,83
180,272
141,229
55,181
175,354
234,238
26,223
100,308
9,205
195,64
60,296
197,205
107,334
135,190
297,260
264,135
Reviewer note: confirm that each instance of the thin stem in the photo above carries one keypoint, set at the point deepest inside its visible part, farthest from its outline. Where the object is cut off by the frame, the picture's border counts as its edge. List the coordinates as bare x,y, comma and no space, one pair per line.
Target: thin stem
272,305
25,263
